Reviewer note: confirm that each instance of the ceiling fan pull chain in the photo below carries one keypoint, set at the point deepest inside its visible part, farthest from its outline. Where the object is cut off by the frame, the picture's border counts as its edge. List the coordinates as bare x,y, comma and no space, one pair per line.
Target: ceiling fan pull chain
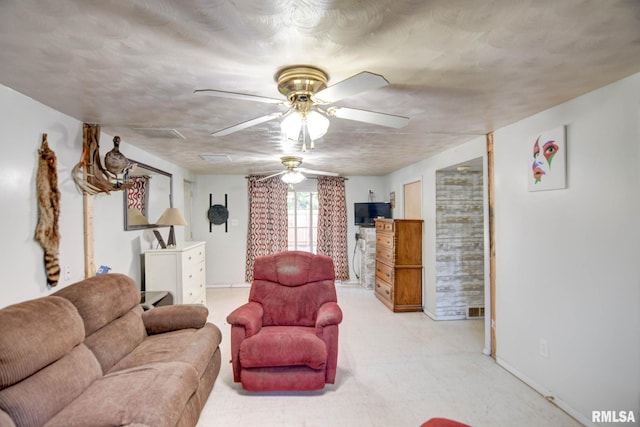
303,129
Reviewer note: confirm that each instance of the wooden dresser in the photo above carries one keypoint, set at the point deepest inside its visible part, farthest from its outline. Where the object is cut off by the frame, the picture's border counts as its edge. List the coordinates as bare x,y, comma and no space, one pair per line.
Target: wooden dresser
399,263
178,270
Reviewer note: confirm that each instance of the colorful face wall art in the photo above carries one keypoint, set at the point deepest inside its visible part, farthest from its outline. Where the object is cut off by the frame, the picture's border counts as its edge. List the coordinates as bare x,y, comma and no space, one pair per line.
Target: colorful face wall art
547,170
542,158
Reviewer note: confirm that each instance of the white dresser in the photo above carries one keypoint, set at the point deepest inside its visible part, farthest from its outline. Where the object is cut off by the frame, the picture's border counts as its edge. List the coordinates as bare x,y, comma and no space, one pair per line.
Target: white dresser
179,270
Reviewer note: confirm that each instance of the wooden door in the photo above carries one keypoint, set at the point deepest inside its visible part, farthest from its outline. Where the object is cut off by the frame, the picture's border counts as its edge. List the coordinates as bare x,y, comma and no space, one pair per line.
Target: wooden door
412,200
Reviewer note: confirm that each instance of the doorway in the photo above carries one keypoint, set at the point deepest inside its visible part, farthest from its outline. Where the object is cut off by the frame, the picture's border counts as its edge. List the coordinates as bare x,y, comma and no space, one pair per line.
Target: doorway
460,241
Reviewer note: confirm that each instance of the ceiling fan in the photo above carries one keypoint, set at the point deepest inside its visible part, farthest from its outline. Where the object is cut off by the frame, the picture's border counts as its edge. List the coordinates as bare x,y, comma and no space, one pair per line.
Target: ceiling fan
292,174
308,101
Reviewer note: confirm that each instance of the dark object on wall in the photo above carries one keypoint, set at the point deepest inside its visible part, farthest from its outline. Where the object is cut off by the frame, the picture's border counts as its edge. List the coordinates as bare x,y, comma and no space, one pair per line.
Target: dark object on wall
366,213
218,214
48,210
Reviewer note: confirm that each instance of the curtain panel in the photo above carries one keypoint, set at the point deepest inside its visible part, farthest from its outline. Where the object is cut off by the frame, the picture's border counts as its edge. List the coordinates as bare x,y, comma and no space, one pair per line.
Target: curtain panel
268,221
332,223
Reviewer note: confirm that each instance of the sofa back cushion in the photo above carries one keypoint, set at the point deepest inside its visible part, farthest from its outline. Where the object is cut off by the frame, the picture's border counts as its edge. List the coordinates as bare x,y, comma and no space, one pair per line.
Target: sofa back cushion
109,305
291,286
34,334
43,363
101,299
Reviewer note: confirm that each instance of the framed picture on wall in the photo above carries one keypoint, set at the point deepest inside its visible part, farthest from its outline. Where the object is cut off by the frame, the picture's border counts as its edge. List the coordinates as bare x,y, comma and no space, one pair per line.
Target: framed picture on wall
547,164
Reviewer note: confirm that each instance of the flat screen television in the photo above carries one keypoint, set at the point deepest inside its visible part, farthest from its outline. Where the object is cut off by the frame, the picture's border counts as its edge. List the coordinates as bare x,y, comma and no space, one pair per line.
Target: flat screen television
366,213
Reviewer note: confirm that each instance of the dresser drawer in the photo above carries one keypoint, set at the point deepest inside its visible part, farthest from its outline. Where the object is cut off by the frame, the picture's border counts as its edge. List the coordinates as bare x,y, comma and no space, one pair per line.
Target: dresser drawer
385,239
194,277
384,290
194,296
384,272
385,226
385,254
193,257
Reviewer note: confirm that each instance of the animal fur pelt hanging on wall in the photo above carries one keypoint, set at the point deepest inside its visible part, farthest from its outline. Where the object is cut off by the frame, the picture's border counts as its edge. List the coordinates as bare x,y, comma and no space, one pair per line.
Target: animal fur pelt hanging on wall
48,210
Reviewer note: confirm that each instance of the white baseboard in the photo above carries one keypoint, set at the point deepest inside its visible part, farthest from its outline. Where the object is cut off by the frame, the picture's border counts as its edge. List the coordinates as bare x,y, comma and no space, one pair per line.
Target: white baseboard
228,285
547,394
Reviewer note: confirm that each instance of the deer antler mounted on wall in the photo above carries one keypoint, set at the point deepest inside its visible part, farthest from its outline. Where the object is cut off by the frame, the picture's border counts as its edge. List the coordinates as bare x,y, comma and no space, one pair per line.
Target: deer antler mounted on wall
89,174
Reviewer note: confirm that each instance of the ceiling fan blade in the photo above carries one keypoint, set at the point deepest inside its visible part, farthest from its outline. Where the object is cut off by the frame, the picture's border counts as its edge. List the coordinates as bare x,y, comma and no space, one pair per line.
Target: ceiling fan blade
242,96
313,172
247,124
361,82
272,175
365,116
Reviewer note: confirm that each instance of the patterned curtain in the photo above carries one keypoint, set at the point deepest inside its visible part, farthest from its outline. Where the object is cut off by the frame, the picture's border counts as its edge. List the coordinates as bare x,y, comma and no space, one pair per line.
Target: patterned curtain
137,194
332,223
268,222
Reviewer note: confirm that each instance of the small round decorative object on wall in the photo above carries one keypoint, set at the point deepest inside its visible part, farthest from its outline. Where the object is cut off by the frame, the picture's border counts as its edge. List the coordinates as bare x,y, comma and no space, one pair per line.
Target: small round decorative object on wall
218,214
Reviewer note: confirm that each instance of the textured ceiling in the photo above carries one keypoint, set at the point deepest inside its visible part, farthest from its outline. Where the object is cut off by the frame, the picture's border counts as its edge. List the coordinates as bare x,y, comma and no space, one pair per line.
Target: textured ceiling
456,68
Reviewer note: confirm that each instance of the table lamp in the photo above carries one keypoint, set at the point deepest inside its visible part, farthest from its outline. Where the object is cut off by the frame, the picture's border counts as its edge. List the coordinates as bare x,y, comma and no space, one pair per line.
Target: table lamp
171,217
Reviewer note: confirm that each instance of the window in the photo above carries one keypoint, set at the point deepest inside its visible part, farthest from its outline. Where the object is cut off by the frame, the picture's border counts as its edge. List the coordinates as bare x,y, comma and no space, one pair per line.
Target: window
302,209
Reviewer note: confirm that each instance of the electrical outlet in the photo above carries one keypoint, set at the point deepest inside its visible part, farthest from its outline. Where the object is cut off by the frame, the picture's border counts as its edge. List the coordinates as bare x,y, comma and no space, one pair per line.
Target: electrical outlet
67,272
544,348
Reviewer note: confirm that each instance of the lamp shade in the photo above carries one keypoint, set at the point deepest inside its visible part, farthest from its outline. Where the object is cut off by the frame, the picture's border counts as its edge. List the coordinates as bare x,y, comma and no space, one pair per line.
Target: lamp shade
317,125
291,126
171,216
135,217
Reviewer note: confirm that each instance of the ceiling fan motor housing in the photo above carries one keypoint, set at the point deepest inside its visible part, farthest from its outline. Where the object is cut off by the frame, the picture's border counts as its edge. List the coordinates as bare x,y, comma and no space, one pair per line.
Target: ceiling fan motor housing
291,162
299,83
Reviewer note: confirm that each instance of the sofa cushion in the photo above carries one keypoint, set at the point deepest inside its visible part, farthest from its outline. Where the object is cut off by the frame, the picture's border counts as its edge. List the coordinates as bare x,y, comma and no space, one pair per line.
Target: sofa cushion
150,395
101,299
192,346
34,334
36,399
118,338
283,346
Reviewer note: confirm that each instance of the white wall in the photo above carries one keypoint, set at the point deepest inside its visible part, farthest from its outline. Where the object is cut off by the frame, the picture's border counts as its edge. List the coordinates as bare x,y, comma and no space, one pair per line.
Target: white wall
23,121
568,260
226,251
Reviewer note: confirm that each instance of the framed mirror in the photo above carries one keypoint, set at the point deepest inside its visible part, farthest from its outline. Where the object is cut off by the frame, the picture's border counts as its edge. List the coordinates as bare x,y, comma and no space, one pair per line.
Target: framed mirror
150,195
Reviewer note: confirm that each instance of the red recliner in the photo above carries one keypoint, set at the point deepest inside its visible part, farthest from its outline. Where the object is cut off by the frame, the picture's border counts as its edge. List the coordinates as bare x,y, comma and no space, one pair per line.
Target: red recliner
286,336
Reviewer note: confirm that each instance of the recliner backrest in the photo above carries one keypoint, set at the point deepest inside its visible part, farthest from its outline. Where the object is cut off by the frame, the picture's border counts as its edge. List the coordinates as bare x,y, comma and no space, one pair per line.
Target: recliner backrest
291,286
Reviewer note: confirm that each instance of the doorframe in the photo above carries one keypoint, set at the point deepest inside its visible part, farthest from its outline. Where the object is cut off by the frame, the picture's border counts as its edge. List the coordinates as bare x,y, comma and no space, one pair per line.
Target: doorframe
492,246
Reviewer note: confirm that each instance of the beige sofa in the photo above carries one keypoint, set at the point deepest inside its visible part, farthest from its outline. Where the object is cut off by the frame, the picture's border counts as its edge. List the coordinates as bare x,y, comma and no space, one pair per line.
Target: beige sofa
88,355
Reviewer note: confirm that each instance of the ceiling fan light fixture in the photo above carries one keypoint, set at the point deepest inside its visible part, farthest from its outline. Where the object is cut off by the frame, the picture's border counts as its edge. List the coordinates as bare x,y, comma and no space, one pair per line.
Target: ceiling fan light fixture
293,177
291,126
316,125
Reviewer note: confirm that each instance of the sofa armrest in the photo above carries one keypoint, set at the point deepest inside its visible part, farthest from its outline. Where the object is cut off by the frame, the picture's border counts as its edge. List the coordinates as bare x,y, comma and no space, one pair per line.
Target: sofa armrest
248,316
329,313
174,317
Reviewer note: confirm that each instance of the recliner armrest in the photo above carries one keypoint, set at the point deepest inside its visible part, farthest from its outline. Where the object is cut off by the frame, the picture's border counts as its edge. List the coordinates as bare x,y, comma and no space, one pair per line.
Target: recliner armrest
174,317
249,316
329,313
